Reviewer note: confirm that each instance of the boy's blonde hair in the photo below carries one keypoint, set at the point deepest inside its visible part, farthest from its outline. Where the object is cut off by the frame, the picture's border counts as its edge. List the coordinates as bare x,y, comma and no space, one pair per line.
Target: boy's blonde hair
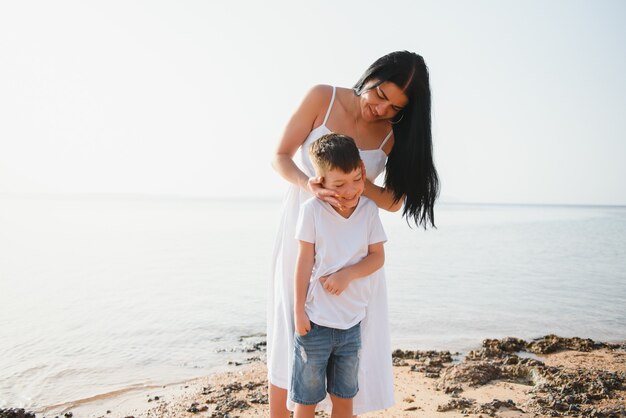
335,151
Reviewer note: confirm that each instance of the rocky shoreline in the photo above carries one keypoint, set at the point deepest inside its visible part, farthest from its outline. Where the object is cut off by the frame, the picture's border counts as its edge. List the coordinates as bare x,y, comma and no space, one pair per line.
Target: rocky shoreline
547,377
553,391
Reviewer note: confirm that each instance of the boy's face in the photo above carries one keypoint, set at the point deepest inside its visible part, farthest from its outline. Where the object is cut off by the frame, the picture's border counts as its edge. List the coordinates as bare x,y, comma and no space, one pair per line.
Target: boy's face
348,186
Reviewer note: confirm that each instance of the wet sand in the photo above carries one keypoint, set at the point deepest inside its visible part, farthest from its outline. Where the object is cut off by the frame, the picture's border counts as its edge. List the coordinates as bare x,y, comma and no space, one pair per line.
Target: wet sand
548,377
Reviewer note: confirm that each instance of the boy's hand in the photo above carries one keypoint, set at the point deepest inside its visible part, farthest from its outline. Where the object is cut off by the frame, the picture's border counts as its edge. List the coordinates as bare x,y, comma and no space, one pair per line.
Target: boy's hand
335,283
303,324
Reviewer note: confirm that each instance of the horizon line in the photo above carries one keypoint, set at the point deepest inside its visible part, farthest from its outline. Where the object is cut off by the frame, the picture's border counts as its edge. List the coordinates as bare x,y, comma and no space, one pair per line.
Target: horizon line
147,196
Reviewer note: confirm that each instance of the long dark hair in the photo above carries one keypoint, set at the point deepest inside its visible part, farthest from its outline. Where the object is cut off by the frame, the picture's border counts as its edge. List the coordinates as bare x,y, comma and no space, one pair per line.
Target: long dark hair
410,171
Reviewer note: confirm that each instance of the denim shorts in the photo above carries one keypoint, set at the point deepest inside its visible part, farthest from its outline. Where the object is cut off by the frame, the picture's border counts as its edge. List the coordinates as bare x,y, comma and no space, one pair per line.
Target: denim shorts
325,357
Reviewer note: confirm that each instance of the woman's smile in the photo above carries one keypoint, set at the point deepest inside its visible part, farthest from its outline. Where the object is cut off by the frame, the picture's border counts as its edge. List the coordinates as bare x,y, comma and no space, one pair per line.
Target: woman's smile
382,101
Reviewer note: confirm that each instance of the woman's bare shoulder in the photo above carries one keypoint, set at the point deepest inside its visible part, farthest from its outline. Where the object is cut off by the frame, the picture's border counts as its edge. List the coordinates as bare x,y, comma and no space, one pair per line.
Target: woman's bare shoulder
319,94
345,97
315,103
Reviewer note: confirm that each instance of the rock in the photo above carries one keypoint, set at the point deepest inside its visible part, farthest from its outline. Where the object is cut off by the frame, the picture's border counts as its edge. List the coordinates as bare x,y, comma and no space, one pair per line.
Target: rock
437,356
556,391
575,391
459,404
227,405
399,362
492,348
195,408
467,406
474,373
233,387
398,354
16,413
453,390
497,349
511,360
253,385
552,344
258,398
495,406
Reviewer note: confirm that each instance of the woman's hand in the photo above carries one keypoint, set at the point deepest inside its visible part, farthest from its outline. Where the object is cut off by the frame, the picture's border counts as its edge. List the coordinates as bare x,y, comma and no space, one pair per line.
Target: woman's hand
316,187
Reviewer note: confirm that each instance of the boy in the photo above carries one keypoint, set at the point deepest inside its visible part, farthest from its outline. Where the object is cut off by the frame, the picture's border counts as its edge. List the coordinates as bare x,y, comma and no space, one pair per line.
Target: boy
340,249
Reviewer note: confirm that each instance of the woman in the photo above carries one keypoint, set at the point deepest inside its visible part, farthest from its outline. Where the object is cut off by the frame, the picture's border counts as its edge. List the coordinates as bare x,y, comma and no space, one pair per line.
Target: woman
388,115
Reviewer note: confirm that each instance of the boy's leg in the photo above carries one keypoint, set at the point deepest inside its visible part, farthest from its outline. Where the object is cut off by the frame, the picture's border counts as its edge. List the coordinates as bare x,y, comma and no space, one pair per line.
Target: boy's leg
278,402
308,377
342,371
342,408
304,411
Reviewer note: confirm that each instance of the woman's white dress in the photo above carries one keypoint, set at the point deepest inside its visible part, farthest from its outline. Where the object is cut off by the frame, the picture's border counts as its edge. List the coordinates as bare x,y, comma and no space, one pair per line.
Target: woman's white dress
375,368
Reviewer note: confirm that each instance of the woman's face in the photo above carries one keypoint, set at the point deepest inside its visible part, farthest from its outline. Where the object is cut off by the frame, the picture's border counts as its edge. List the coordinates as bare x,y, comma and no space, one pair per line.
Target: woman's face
382,102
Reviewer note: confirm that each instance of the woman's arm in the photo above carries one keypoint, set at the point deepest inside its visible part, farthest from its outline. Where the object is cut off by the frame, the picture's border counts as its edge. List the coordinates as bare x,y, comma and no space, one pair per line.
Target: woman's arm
382,197
308,115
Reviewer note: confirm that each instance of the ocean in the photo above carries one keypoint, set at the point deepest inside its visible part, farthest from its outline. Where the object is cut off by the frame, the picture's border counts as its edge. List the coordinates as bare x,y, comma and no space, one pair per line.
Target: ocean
102,293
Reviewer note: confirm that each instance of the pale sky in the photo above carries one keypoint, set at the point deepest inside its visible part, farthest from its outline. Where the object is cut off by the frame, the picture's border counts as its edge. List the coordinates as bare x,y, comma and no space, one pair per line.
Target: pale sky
190,97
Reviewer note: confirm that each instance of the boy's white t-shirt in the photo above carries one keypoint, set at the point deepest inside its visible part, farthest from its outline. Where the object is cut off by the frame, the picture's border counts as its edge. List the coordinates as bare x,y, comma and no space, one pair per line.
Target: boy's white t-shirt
339,242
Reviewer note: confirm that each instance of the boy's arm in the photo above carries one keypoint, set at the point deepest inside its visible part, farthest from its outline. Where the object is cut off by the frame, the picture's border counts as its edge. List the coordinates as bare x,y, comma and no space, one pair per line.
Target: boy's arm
337,282
304,266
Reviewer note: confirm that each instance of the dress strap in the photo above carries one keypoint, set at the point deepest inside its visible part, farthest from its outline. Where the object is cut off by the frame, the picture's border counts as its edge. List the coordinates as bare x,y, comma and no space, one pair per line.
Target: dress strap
386,139
330,106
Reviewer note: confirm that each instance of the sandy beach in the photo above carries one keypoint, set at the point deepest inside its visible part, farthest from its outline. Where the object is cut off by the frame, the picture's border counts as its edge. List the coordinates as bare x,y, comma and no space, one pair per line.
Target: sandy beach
548,377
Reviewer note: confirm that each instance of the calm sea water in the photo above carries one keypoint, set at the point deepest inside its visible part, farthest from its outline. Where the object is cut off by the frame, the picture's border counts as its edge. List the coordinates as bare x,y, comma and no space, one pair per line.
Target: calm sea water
102,294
